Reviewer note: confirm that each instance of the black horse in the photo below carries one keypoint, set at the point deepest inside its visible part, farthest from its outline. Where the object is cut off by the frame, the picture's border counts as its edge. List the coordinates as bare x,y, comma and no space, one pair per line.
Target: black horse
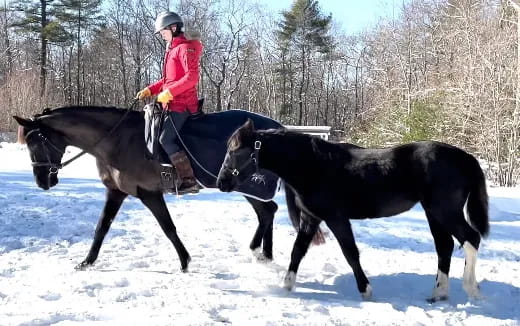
116,138
338,182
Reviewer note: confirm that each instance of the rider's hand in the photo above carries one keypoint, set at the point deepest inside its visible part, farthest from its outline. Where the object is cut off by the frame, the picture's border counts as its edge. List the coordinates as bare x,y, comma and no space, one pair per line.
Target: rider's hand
164,97
144,93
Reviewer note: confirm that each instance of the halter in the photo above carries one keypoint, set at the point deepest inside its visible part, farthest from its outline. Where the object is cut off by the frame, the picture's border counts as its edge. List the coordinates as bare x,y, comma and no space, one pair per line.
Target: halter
54,167
253,159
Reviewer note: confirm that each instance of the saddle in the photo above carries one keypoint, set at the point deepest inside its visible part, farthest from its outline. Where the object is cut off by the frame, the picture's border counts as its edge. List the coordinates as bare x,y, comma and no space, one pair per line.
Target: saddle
154,118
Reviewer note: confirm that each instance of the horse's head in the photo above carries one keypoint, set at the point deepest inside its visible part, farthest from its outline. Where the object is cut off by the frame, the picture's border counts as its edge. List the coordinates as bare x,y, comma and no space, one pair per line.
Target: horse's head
241,159
46,148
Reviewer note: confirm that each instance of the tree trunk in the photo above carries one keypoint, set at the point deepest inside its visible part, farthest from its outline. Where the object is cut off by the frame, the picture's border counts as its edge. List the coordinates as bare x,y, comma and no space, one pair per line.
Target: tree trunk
78,36
43,49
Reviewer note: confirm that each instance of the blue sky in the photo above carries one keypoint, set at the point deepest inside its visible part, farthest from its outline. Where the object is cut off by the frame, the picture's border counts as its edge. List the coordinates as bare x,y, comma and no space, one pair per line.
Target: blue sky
353,15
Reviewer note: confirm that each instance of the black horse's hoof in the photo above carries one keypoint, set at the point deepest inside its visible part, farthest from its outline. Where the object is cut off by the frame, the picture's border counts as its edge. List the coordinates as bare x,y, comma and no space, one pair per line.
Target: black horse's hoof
260,256
437,299
82,266
184,267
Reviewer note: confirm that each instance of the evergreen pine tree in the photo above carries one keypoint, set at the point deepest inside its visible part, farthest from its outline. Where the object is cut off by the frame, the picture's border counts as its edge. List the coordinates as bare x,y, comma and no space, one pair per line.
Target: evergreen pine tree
79,15
39,19
302,31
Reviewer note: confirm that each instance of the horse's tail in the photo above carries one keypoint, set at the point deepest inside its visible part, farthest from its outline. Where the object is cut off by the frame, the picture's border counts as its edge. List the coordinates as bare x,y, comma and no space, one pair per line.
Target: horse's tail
294,215
477,206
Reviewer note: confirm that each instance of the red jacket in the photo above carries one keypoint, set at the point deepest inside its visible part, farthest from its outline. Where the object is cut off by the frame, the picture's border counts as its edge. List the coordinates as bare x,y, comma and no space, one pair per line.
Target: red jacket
180,74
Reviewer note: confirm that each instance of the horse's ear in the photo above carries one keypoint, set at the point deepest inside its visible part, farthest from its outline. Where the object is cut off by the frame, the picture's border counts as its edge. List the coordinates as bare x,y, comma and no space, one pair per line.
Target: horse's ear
249,125
27,123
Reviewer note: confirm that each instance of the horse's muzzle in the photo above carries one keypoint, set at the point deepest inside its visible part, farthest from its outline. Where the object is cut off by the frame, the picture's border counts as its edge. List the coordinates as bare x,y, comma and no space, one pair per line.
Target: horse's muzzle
225,183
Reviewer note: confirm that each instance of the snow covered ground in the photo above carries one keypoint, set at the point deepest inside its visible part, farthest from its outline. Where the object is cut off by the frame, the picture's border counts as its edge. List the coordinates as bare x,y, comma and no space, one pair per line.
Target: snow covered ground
137,281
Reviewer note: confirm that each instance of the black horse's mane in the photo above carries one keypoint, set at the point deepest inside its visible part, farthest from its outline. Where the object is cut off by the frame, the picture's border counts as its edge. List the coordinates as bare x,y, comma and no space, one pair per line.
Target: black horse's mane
133,117
321,148
79,109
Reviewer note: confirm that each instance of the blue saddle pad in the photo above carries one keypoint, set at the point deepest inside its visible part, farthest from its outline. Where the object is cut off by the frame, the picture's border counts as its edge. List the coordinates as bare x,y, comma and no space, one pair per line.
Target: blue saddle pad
205,141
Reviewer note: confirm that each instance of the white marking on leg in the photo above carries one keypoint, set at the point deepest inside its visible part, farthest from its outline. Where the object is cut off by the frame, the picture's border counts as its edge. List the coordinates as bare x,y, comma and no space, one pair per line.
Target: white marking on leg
258,255
469,280
289,280
442,287
367,295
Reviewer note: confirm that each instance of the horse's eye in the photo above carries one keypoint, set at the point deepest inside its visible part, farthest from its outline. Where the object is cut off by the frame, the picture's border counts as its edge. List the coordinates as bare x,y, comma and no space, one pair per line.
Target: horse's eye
234,144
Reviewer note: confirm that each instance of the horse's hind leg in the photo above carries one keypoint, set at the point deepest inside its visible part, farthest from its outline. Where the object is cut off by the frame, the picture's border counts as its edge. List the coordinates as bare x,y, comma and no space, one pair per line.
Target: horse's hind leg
114,199
455,223
470,241
444,247
308,227
343,232
264,232
155,202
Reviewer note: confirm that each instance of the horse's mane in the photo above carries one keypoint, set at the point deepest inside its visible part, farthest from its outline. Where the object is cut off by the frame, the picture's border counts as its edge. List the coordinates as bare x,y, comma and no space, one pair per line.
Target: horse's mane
79,109
323,149
133,117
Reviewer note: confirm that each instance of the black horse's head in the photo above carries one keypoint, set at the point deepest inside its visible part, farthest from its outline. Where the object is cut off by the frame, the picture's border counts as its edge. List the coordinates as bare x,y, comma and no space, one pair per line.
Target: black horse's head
46,149
241,160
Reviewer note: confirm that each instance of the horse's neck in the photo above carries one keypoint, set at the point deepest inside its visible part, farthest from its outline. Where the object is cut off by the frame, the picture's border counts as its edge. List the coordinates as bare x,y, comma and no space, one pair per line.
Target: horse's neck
288,157
82,132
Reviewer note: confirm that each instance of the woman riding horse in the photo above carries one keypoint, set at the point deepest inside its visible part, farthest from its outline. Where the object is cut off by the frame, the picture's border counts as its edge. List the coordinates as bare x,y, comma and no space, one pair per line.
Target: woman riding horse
177,91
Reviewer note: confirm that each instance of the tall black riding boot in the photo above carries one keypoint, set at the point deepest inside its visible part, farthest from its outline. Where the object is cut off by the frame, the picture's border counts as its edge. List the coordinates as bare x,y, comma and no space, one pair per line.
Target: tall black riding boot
182,164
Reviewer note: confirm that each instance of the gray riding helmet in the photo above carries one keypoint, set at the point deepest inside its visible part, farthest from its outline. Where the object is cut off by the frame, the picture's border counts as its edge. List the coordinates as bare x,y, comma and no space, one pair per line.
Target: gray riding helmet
167,18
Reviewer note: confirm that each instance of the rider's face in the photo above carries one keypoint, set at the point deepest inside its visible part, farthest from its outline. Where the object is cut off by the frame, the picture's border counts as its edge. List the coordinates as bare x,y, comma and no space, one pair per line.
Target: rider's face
166,33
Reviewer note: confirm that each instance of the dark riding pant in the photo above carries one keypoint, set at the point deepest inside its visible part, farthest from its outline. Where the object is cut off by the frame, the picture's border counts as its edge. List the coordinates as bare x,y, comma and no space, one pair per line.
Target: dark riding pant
168,134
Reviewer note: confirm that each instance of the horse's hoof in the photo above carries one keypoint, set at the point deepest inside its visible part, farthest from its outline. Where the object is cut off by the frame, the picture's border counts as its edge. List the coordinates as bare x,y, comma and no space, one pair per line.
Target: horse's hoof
289,281
82,266
472,290
432,300
260,257
367,295
184,267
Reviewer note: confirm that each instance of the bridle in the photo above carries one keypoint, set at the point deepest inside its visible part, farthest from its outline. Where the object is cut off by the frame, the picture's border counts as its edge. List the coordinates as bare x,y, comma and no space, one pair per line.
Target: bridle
55,167
252,160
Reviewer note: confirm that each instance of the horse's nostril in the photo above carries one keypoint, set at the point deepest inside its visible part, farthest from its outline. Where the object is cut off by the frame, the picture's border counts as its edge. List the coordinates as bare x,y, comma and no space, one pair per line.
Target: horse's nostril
222,185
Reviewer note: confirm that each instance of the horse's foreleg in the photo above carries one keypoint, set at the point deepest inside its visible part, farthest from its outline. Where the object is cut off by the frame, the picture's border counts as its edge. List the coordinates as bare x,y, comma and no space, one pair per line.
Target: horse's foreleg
155,202
343,232
114,199
264,232
308,228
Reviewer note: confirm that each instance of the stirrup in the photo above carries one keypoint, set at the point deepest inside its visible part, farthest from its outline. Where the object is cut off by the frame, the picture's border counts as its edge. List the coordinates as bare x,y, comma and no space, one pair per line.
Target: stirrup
167,177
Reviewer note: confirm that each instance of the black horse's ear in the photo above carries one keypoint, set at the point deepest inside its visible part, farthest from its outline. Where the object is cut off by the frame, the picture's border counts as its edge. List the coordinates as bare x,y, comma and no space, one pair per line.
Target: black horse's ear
249,125
27,123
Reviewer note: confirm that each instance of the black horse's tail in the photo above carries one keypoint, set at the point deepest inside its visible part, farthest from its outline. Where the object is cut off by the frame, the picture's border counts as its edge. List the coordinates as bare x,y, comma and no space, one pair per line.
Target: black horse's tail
294,215
477,206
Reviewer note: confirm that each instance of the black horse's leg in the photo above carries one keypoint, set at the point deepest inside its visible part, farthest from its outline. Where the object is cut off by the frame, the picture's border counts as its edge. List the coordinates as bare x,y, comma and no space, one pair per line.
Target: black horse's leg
265,212
451,217
343,232
154,200
114,199
308,227
444,247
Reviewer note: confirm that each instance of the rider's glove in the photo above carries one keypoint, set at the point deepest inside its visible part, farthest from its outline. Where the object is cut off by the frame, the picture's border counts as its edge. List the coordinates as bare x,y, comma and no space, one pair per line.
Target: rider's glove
164,97
144,93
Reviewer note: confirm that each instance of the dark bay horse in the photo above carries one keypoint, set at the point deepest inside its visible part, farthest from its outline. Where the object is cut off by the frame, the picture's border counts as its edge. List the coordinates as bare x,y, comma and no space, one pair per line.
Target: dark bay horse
338,182
116,138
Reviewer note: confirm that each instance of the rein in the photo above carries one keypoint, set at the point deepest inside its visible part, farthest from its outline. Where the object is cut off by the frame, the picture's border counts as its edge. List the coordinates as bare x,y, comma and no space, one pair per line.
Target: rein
54,167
